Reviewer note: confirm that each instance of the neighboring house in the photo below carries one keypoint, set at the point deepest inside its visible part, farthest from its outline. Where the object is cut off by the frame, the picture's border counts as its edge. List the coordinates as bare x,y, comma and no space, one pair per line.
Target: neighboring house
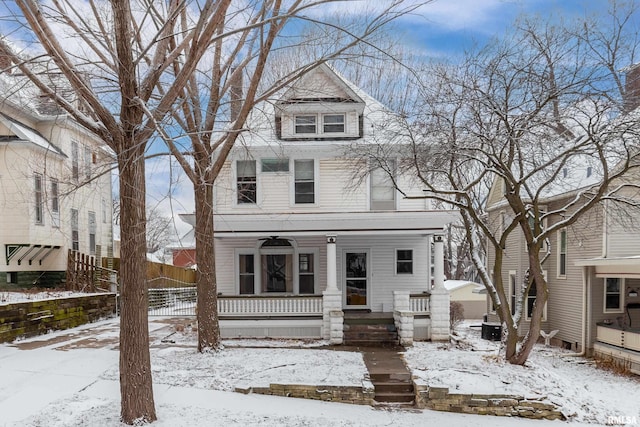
593,271
54,193
471,295
296,231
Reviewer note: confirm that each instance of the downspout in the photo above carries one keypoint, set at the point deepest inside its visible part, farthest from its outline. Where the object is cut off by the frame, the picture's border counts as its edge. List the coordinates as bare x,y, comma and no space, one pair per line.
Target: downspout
586,281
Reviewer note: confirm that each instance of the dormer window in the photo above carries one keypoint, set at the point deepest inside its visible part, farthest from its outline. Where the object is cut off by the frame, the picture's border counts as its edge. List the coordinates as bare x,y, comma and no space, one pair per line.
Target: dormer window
305,124
333,123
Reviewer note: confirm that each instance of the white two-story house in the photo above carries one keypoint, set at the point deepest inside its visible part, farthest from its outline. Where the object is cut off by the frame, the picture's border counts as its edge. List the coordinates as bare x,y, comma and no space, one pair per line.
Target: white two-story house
55,187
298,215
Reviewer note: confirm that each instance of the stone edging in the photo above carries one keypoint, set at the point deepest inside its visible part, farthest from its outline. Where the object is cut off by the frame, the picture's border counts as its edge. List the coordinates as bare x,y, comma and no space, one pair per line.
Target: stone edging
439,399
345,394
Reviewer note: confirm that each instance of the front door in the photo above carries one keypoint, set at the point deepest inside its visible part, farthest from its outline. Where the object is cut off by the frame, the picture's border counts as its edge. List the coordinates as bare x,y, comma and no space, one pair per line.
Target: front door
357,278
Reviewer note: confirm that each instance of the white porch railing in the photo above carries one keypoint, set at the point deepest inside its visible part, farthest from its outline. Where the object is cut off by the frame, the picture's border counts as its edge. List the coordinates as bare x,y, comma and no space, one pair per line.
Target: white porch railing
620,338
419,304
258,305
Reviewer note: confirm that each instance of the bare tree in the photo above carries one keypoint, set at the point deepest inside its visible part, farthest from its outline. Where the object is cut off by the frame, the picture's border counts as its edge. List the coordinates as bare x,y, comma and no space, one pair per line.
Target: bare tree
513,116
232,77
115,56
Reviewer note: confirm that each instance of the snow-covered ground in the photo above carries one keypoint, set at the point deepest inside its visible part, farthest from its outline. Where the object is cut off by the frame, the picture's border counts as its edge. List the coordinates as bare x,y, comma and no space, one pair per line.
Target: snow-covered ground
8,297
69,378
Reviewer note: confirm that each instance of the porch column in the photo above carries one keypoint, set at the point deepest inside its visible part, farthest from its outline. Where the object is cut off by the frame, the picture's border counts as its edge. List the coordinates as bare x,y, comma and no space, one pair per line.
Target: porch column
332,316
440,323
332,281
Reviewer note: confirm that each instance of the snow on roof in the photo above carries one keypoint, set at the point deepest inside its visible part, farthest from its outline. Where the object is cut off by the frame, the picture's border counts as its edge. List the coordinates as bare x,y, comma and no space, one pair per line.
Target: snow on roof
27,134
452,285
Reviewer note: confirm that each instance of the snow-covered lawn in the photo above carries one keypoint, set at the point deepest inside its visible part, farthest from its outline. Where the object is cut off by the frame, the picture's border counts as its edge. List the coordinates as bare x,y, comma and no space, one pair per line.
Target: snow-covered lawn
69,378
8,297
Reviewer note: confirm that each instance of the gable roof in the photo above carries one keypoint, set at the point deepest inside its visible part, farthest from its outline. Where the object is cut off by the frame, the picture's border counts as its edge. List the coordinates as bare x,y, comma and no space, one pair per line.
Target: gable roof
26,134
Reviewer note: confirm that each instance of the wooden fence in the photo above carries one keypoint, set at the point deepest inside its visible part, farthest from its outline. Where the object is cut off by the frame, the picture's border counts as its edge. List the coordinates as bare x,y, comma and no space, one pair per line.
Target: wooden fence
81,272
163,275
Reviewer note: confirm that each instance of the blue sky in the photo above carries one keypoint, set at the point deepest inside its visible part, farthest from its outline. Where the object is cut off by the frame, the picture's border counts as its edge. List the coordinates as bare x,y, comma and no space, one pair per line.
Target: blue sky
446,27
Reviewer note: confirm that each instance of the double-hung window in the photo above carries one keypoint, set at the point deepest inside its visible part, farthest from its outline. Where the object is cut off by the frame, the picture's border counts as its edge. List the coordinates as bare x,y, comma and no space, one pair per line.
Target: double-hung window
55,204
74,160
383,191
404,261
247,182
247,274
613,294
39,199
92,232
75,232
306,273
305,124
562,253
304,183
333,123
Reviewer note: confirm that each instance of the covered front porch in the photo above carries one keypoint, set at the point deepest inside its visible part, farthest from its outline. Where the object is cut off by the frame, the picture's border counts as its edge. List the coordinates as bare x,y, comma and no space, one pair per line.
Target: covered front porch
613,322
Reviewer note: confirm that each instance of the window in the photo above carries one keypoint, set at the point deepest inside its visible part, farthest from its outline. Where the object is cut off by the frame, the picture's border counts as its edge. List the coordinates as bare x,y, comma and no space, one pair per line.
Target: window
333,123
87,163
306,273
304,181
613,295
562,253
104,211
74,160
383,192
75,234
92,233
247,274
247,189
531,300
404,261
39,200
55,204
275,165
305,124
513,282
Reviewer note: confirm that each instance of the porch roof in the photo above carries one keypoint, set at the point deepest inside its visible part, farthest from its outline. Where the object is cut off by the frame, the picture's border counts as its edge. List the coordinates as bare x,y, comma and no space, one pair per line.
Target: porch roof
340,223
613,267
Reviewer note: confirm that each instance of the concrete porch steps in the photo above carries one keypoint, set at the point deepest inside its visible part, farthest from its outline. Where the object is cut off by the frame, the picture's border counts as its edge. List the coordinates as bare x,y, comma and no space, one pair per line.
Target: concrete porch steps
369,330
389,375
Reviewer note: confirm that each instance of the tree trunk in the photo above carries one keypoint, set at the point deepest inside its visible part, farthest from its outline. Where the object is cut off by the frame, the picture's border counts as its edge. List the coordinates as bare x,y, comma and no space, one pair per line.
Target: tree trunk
135,363
208,326
535,324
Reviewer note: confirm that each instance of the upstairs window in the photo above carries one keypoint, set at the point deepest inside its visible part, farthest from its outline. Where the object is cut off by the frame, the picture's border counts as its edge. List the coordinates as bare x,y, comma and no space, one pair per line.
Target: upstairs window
55,204
74,160
304,181
39,200
275,165
383,191
87,163
305,124
247,188
333,123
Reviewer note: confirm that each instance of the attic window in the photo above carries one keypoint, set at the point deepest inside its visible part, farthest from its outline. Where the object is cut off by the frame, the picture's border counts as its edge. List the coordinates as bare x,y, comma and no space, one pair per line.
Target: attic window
565,172
333,123
305,124
589,171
